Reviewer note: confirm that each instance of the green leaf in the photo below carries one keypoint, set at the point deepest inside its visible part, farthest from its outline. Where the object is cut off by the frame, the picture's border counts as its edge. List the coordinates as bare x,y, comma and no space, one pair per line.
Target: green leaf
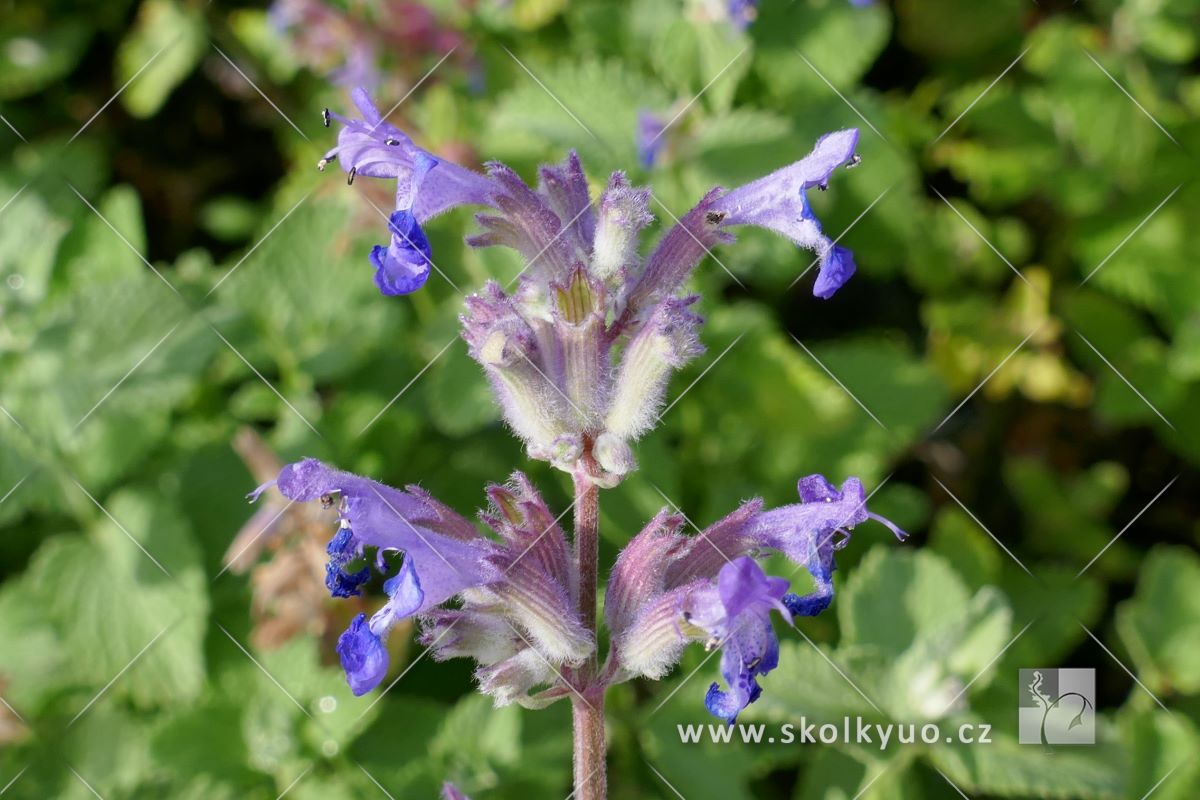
31,60
839,40
118,611
1057,602
599,119
956,538
701,769
162,49
1162,748
806,684
306,284
1007,769
32,233
33,663
896,595
457,396
1160,625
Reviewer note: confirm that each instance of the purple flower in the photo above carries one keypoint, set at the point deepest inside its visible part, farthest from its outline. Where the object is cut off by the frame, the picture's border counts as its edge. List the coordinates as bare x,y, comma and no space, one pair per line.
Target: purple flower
741,13
667,589
363,656
342,550
451,792
443,555
650,129
374,148
736,615
403,266
805,533
779,202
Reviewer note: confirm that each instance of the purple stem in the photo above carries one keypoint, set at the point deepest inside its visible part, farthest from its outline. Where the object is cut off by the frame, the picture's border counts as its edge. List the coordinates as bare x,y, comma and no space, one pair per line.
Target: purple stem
587,707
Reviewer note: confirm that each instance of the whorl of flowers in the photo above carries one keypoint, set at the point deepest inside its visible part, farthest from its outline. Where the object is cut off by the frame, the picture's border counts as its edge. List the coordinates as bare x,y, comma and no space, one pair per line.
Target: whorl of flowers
579,356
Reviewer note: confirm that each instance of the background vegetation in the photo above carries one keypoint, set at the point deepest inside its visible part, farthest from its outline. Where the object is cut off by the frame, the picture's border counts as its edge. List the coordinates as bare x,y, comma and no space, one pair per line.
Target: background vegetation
1017,366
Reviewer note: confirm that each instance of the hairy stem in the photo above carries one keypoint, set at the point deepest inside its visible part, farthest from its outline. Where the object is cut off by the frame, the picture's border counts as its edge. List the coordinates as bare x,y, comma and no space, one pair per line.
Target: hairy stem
587,543
591,778
587,709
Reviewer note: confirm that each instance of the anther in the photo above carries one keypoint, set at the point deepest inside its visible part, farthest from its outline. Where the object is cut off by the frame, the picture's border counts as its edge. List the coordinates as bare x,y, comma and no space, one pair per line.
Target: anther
714,217
855,160
325,117
350,175
391,142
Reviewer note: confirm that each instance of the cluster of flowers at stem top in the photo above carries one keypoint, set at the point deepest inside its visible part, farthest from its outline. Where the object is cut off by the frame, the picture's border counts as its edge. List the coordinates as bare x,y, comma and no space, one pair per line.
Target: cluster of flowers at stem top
579,355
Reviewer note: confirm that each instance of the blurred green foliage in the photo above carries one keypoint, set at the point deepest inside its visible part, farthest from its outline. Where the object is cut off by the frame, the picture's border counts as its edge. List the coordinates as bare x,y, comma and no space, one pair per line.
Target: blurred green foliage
1016,368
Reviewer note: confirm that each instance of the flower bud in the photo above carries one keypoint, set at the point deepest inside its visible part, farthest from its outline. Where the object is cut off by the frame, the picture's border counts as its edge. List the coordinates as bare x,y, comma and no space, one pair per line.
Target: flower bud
452,633
510,680
666,342
505,346
614,455
624,211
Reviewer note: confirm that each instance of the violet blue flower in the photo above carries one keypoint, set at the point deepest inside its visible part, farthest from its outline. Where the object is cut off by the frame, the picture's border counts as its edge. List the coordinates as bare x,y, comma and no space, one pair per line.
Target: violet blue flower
666,588
780,202
741,13
443,555
342,550
736,615
363,655
650,129
521,626
425,186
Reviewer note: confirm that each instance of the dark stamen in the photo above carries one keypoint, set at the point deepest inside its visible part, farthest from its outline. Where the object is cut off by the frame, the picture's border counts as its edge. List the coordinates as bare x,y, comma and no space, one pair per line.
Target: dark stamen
350,175
855,160
325,117
391,142
714,217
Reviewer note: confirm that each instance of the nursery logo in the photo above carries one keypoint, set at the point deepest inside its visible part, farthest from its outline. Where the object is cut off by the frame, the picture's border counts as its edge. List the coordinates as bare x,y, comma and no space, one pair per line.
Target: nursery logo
1058,706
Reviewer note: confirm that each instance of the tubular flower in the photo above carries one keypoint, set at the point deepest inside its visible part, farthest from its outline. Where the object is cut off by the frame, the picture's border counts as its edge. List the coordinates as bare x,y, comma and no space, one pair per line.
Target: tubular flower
780,202
441,555
736,616
374,148
519,593
668,589
581,351
522,626
650,129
